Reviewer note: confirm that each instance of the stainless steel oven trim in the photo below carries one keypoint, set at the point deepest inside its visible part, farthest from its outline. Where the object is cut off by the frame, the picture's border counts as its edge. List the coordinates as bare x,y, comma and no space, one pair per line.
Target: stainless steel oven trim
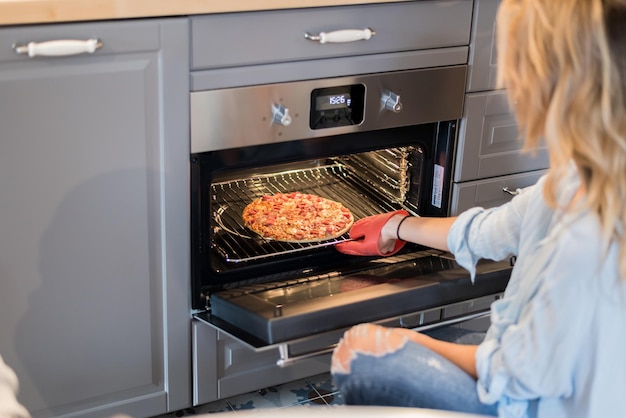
239,117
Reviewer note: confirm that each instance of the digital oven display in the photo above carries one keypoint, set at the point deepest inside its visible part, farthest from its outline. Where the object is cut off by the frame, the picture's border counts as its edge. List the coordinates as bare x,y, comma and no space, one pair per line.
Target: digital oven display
333,101
337,106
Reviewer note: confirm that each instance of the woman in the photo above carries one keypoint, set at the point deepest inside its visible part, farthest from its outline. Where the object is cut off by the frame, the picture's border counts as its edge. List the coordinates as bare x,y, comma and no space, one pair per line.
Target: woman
556,346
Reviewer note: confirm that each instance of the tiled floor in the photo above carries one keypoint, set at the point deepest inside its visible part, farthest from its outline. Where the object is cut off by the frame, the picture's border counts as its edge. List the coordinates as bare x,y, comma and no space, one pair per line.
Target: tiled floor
317,391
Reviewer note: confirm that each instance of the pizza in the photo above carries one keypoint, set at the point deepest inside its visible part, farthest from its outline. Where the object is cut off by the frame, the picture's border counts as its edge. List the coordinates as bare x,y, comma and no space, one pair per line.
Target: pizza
297,217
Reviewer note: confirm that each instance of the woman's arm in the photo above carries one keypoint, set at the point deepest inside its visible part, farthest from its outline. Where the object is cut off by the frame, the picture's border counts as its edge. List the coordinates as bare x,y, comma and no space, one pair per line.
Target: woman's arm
429,232
464,356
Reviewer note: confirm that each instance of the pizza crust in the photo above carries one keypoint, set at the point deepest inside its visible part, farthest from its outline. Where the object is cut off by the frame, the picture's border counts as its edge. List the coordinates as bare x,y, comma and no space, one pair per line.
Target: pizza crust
297,217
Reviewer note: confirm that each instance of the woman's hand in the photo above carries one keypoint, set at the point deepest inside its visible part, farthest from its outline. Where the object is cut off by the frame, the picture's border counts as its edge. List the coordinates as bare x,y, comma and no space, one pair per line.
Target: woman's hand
374,235
378,234
389,233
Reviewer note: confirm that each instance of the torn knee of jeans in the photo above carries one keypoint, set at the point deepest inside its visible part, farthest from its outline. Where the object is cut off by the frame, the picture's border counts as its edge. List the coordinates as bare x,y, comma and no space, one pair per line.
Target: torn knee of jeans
366,339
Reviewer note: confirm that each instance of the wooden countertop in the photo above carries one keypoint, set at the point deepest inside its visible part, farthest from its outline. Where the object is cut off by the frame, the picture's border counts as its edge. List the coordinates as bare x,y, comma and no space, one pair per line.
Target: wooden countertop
14,12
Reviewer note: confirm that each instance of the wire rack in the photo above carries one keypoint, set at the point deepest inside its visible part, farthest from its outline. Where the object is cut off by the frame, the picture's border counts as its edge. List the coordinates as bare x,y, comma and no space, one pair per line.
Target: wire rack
236,244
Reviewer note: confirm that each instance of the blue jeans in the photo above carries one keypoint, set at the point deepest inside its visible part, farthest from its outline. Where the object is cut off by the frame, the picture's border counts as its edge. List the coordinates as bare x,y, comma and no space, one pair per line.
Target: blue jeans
413,376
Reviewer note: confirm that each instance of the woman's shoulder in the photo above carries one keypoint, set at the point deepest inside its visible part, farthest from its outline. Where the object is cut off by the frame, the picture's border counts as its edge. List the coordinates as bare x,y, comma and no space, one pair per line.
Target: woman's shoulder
580,250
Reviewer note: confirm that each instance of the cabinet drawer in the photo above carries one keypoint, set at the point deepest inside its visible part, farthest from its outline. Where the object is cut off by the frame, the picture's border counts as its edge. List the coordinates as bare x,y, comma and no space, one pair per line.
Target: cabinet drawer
116,37
239,39
242,370
224,367
489,143
489,193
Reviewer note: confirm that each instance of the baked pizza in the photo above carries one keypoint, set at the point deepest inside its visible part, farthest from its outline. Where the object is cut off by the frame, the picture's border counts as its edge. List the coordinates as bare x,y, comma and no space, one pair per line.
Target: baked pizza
297,217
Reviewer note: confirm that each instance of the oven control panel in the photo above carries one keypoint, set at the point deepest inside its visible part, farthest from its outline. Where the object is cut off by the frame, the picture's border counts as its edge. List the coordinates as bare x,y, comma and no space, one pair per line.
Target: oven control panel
337,106
264,114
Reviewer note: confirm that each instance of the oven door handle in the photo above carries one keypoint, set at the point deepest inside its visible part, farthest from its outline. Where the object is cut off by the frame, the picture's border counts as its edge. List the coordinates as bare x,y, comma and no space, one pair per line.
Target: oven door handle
286,359
341,36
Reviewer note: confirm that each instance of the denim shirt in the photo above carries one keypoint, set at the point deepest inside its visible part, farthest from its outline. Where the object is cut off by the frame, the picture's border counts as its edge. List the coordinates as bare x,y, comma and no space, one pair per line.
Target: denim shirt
557,342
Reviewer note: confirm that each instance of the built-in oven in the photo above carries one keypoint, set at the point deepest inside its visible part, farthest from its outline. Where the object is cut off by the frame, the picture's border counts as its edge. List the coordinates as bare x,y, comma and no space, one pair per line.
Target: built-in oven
376,143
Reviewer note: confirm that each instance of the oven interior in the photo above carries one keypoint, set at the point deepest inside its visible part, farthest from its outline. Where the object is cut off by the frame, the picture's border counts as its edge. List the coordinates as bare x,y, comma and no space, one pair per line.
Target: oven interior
367,183
368,175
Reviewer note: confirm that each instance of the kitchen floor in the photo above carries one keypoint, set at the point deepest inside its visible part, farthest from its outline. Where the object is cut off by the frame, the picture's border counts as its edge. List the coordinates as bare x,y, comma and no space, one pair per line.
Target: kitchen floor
316,391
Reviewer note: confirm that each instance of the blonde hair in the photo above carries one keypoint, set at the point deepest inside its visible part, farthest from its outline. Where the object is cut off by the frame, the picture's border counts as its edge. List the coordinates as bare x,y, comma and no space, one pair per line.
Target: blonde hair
563,63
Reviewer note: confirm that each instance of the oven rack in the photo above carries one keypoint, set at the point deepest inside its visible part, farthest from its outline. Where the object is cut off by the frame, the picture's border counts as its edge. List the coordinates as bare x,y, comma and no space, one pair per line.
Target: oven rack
395,172
237,244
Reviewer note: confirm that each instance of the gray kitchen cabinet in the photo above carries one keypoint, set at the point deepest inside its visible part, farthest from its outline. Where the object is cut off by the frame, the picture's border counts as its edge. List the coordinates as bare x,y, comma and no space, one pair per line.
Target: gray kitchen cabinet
482,71
490,145
94,305
491,192
489,154
279,35
273,48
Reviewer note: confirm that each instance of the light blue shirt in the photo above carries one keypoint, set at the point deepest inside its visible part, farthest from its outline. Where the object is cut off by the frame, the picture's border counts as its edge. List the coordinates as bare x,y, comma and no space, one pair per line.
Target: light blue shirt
557,343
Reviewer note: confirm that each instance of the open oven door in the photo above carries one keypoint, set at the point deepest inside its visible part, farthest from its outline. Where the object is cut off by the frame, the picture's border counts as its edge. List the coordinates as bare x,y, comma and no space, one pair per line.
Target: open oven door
306,317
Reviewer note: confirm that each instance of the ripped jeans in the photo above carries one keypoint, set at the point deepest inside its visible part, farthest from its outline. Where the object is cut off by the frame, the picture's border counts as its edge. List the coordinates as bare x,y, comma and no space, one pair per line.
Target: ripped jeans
374,365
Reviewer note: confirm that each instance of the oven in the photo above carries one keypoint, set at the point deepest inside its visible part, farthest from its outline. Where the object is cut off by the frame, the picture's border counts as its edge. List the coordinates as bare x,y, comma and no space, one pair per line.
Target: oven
374,142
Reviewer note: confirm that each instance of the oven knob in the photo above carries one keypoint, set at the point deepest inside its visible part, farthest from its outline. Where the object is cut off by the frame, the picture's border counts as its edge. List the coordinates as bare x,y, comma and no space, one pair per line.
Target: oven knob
280,115
391,101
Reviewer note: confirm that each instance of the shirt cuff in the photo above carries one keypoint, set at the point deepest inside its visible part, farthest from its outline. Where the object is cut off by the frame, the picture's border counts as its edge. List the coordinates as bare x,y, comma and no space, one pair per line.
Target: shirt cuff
458,241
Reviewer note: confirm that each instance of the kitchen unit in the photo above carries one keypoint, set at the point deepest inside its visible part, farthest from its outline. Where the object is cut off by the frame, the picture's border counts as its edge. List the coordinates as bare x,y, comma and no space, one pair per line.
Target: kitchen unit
95,307
93,189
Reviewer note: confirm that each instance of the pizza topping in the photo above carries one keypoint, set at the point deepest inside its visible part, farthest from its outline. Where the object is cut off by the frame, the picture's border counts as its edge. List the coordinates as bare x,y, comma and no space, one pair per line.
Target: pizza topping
297,217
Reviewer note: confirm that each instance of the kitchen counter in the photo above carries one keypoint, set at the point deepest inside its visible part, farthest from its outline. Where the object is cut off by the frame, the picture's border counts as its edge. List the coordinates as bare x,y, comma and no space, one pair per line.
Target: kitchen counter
14,12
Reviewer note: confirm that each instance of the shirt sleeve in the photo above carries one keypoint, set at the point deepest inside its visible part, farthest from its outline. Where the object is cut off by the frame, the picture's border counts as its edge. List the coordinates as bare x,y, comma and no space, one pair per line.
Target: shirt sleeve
490,233
534,355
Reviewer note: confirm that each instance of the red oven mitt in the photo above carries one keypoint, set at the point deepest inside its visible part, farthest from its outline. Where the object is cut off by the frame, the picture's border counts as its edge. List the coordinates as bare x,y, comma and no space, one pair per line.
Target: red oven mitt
365,234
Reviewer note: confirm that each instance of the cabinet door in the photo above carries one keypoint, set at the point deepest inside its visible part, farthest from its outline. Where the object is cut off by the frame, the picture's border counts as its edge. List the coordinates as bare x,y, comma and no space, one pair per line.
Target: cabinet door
87,167
489,144
482,67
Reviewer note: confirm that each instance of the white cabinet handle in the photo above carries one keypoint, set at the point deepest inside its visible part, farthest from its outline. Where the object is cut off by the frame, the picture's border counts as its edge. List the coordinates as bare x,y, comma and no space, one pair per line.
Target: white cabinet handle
58,48
515,192
339,36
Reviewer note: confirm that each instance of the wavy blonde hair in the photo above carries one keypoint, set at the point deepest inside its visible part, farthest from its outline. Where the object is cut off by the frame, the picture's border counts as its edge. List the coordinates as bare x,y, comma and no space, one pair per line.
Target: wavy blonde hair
563,63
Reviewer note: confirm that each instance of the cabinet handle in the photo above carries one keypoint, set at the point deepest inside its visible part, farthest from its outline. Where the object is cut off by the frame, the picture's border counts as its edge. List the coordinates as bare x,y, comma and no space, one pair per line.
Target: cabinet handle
340,36
515,192
58,48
